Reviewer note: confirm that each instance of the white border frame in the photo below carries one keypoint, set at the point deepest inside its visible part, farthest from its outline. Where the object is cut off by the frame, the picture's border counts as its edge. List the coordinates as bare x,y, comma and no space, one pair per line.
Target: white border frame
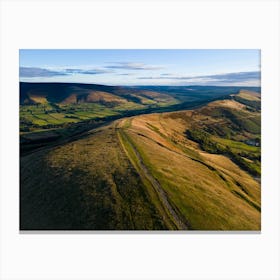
139,24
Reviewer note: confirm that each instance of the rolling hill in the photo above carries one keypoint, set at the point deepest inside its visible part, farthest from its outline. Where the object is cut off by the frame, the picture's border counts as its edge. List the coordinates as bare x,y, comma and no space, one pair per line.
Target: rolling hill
67,93
45,106
193,169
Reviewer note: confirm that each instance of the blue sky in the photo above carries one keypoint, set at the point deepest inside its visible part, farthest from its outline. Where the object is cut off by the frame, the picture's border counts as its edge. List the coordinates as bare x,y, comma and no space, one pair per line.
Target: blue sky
142,67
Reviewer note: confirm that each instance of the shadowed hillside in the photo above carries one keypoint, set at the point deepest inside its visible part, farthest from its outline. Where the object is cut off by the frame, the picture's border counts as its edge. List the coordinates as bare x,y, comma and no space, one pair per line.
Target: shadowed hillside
67,93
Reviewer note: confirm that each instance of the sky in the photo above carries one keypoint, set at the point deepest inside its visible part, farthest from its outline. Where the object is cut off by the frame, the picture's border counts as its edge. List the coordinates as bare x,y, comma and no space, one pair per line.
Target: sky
178,67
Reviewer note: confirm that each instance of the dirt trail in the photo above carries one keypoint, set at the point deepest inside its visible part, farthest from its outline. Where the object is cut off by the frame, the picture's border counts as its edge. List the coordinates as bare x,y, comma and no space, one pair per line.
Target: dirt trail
181,223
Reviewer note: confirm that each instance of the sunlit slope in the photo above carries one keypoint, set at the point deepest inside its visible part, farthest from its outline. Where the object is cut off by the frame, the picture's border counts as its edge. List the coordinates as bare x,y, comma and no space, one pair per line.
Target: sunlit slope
209,190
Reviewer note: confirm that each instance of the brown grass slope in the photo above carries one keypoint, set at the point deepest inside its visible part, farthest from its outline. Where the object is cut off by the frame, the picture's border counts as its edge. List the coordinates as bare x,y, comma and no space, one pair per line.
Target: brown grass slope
250,95
209,190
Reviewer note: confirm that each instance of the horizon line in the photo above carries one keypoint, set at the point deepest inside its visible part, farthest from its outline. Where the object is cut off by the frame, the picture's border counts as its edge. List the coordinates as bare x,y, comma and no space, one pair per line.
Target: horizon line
194,85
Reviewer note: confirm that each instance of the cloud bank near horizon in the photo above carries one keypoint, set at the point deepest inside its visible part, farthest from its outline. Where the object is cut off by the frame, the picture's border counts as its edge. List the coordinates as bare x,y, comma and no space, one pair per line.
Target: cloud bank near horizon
30,72
250,78
226,77
34,72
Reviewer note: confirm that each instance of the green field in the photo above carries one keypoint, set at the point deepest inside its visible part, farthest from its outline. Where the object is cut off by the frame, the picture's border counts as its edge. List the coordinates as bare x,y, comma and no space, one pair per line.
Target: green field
47,115
34,117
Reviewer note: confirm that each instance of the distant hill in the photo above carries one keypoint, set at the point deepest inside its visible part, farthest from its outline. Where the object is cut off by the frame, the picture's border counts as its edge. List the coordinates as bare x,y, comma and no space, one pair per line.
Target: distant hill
30,93
74,93
193,169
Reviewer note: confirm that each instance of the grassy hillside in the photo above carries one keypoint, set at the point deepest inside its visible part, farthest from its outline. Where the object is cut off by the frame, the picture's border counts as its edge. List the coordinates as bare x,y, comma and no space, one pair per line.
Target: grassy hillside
210,191
231,128
86,184
189,170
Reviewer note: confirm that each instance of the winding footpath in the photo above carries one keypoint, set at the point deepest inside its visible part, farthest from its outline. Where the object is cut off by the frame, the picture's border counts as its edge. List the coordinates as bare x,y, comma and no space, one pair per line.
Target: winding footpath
179,221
